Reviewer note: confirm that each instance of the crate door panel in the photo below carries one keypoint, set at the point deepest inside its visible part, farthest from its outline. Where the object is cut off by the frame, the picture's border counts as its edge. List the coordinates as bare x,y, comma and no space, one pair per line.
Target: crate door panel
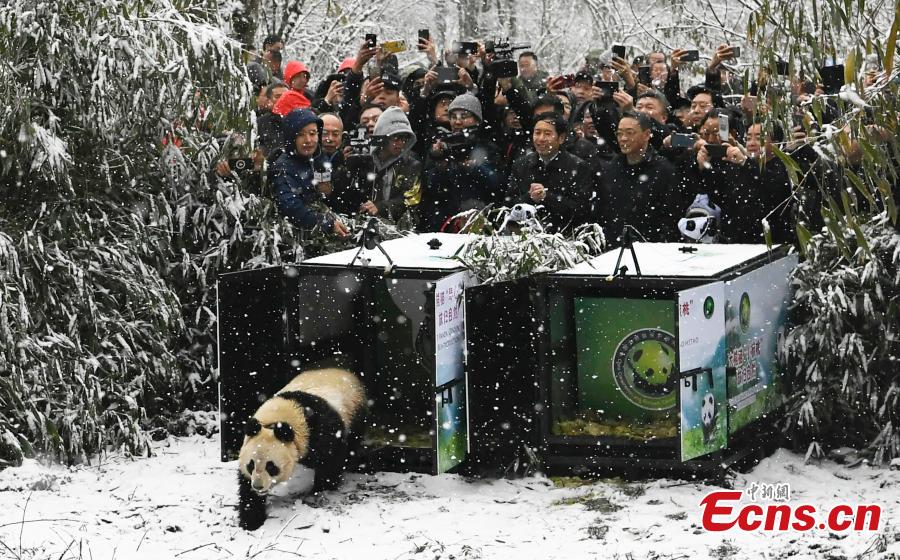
701,355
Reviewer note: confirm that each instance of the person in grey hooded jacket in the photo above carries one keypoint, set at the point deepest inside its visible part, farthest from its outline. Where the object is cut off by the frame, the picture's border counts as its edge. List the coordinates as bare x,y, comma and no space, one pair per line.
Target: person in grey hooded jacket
386,184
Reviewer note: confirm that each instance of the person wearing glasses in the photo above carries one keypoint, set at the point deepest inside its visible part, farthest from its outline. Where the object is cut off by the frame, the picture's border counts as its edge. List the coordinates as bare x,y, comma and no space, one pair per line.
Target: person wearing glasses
462,168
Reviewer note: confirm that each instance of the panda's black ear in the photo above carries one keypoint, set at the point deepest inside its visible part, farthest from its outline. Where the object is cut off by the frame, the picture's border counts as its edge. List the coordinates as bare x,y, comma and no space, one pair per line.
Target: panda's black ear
252,427
284,432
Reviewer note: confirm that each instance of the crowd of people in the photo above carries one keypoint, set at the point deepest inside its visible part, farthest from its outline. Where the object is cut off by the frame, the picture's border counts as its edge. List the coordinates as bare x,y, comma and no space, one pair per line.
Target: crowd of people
617,143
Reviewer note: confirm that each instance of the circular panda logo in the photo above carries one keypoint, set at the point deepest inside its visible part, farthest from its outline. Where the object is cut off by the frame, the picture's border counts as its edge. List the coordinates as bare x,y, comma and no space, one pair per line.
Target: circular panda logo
643,367
745,312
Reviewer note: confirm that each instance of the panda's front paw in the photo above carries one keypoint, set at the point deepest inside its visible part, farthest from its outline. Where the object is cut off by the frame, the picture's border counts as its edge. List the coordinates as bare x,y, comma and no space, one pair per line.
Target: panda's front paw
251,521
251,507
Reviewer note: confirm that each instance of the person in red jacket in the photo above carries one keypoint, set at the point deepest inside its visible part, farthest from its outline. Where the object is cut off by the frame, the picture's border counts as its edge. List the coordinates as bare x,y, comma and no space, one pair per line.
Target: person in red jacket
296,75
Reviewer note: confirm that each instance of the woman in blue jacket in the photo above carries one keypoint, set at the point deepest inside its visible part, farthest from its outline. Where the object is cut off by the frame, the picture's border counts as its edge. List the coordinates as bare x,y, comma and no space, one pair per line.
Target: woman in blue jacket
299,176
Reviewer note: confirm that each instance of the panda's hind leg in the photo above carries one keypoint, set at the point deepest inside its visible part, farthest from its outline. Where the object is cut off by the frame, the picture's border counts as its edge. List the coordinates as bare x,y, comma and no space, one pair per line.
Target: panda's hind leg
330,473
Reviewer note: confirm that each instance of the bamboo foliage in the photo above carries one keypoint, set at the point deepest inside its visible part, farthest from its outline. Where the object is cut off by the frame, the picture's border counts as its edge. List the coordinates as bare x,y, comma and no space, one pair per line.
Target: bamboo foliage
89,325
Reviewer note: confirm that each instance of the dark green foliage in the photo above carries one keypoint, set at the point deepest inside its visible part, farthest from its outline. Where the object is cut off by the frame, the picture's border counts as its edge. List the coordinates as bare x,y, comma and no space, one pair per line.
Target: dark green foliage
844,355
88,324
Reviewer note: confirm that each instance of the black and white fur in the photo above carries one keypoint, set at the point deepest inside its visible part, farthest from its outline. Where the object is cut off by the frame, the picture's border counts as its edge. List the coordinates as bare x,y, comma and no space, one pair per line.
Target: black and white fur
316,420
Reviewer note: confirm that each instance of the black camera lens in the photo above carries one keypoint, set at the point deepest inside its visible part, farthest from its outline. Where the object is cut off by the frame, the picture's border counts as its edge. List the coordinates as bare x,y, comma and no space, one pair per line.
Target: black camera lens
691,225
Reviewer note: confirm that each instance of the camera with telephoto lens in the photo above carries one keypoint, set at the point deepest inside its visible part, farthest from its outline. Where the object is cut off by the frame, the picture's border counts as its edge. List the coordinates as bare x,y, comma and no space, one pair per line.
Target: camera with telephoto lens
503,65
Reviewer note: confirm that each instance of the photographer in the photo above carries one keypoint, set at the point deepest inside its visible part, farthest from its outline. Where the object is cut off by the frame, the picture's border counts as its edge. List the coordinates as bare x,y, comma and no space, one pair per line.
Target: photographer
718,77
243,171
550,177
703,100
267,65
296,175
429,116
353,84
715,174
330,94
462,168
385,183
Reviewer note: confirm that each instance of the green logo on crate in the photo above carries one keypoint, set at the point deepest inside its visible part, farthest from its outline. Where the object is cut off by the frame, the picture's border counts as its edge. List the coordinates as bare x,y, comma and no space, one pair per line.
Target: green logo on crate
709,305
643,367
745,312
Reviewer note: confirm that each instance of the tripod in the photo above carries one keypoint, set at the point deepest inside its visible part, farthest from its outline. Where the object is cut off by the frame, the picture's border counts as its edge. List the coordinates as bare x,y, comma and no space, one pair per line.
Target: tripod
370,239
627,243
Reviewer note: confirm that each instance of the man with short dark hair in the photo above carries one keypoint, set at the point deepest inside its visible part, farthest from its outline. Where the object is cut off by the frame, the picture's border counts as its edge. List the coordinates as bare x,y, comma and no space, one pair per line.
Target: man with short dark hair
550,177
532,77
268,123
653,104
639,187
262,69
703,99
369,116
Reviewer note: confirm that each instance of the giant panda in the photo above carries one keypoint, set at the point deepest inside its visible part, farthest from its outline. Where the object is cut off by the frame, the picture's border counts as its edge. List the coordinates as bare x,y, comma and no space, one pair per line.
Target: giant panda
316,420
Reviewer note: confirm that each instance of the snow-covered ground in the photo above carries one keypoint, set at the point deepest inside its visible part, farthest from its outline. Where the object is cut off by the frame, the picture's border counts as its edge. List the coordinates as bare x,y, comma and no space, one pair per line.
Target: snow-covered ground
181,504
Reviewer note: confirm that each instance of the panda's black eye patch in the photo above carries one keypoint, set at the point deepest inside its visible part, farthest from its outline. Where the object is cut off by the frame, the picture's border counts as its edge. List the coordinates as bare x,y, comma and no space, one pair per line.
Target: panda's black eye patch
250,466
272,469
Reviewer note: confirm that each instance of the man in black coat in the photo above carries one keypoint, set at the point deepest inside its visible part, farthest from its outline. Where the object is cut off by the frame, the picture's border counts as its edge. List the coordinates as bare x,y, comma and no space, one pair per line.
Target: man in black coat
765,192
551,178
639,187
715,169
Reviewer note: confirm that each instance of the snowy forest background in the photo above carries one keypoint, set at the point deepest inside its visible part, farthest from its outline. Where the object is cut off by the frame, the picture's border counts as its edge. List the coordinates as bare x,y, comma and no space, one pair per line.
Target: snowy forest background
113,228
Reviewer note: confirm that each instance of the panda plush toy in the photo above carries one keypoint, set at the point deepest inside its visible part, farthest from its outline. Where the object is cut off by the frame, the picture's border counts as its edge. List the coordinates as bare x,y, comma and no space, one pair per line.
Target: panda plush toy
316,420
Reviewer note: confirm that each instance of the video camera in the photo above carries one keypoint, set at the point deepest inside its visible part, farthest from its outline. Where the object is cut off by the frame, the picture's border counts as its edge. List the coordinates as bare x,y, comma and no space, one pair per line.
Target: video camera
503,65
361,144
459,144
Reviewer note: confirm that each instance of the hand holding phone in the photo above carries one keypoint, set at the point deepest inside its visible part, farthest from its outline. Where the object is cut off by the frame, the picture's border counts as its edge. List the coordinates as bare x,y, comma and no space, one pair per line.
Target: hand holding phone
644,75
371,40
607,88
716,151
680,140
240,165
723,128
447,74
424,36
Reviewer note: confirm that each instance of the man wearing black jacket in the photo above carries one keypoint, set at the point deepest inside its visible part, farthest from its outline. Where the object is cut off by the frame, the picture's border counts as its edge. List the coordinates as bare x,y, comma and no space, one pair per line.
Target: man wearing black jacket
765,192
718,175
640,187
550,177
